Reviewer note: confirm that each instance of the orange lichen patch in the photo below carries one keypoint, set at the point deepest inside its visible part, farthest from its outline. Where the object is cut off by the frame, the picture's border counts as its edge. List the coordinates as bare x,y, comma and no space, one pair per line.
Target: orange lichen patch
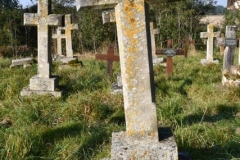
210,27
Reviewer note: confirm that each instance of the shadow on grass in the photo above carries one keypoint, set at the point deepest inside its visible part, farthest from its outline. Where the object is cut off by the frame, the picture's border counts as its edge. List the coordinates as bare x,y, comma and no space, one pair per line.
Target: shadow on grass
95,137
222,112
231,151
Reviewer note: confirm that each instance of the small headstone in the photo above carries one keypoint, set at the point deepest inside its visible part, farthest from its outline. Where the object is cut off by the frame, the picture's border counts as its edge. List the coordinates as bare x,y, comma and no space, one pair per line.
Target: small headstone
43,82
26,62
209,35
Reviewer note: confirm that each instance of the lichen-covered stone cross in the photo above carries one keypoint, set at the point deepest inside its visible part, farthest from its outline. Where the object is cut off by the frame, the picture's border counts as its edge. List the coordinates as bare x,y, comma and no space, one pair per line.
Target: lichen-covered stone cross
43,19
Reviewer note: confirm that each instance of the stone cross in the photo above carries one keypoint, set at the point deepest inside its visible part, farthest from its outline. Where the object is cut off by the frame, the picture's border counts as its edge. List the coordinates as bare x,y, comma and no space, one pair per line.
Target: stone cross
43,19
68,27
110,57
141,140
59,36
43,81
209,35
170,52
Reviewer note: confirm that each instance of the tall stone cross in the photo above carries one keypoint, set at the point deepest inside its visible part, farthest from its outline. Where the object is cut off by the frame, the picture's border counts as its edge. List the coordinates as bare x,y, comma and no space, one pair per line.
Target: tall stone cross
141,140
43,19
69,26
209,35
59,36
43,82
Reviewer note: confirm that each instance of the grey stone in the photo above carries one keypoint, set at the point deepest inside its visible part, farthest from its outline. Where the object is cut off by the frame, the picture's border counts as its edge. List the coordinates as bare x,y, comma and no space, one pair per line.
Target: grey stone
43,84
26,62
27,92
206,62
157,61
59,36
125,148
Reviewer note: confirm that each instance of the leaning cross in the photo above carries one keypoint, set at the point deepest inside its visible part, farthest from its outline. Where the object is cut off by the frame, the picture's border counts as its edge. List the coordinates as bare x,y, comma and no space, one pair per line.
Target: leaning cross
209,35
43,20
110,57
141,139
69,26
59,36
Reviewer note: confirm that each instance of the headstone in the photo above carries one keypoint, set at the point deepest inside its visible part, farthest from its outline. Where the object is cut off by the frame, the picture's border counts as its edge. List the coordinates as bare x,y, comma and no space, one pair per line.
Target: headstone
26,62
43,82
230,72
141,139
170,52
209,35
59,36
110,57
68,27
109,16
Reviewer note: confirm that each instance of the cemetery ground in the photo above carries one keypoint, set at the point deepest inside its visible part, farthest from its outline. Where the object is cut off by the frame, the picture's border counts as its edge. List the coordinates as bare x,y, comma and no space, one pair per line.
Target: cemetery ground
203,115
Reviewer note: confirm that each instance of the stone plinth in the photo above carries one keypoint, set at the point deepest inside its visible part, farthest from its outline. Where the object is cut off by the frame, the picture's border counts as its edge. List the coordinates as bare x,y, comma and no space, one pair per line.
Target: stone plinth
125,149
206,62
27,92
43,84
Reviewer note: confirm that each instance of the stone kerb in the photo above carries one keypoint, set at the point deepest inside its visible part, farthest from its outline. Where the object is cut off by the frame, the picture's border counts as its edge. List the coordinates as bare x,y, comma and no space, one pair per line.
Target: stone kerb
210,37
43,82
141,140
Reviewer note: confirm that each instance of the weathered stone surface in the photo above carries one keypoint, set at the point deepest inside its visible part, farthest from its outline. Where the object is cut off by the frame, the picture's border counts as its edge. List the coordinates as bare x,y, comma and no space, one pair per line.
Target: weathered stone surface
209,35
137,73
59,36
117,87
108,16
206,62
123,148
26,62
27,92
43,84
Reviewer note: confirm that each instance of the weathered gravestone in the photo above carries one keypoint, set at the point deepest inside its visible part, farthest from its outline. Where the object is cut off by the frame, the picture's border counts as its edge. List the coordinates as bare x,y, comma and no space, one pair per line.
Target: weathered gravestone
141,139
209,35
43,82
26,62
59,36
109,16
230,72
170,52
68,27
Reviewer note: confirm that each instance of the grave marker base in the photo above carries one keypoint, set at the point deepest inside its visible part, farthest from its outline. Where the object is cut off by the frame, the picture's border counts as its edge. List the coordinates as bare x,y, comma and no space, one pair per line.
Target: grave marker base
124,149
67,60
27,92
206,62
43,84
233,78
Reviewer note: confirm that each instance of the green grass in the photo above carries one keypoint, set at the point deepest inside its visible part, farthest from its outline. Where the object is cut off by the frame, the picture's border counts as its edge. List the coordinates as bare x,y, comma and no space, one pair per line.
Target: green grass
200,112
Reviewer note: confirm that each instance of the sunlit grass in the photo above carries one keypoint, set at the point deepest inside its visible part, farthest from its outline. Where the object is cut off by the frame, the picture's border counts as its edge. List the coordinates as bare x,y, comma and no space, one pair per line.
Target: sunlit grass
200,112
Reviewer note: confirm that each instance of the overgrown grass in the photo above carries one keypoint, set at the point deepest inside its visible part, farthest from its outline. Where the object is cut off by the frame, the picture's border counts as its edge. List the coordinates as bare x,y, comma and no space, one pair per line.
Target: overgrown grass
201,113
